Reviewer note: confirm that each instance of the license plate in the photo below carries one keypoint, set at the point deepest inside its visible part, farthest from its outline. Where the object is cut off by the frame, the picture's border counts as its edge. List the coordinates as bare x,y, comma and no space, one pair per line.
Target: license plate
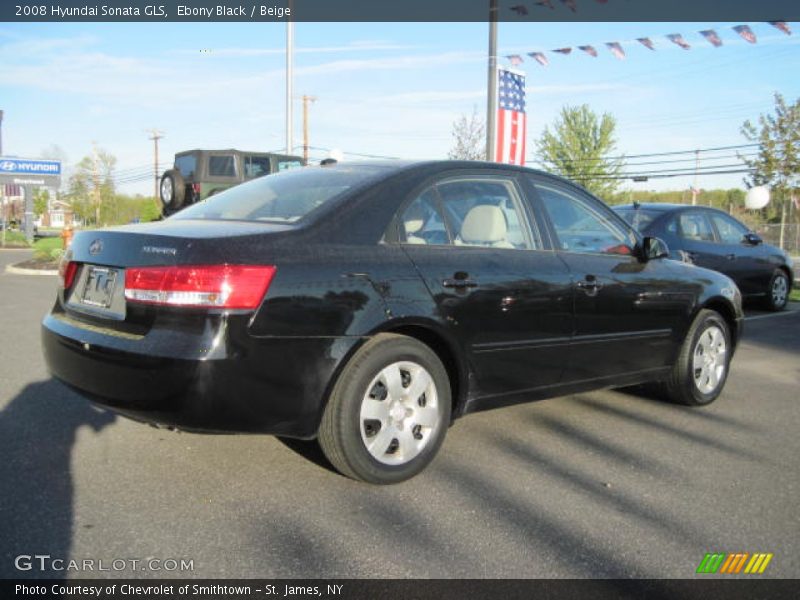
98,289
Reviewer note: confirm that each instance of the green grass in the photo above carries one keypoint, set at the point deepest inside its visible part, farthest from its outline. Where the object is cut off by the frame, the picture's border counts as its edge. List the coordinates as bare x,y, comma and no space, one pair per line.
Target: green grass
14,239
43,248
795,295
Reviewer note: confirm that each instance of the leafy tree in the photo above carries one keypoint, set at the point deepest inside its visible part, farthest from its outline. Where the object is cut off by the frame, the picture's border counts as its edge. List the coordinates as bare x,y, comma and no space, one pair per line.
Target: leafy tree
91,187
778,159
577,148
40,198
469,134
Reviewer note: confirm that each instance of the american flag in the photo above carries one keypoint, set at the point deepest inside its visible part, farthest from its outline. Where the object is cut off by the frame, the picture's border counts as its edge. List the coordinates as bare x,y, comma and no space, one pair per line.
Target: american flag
510,118
746,33
712,37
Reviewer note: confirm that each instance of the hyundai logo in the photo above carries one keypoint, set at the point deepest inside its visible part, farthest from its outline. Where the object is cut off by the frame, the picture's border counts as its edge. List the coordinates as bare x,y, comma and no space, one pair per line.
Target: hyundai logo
96,247
8,165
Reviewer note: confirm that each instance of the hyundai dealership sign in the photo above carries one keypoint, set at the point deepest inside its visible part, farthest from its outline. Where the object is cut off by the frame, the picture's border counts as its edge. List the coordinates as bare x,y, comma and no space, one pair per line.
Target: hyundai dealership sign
27,171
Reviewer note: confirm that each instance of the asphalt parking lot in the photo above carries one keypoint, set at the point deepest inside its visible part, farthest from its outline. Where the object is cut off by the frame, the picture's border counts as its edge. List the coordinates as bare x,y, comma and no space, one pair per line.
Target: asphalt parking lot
606,484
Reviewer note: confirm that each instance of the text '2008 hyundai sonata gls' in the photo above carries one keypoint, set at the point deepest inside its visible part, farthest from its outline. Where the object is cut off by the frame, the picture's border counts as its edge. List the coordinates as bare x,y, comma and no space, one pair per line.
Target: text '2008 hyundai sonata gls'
368,305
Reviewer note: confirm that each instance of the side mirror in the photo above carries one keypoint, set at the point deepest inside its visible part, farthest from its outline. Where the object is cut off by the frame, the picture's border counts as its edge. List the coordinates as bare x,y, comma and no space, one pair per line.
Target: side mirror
752,238
654,248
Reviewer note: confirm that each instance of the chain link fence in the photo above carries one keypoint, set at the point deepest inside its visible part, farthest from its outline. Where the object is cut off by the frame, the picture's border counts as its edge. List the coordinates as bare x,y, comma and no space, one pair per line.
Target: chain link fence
791,236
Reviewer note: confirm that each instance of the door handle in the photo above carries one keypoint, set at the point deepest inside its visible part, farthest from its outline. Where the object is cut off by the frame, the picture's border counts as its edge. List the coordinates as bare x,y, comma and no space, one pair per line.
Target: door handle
730,256
459,284
590,285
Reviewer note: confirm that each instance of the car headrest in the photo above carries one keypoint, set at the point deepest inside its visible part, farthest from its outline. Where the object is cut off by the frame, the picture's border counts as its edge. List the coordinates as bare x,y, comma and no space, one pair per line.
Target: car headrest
414,218
484,224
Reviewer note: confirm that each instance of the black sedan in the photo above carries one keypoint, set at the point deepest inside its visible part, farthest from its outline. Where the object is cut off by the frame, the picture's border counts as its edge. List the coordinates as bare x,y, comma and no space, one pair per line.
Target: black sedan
713,239
369,305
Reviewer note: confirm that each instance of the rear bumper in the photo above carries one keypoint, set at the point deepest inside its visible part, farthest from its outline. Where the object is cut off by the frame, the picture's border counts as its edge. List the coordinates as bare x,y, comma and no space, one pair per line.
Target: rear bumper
246,385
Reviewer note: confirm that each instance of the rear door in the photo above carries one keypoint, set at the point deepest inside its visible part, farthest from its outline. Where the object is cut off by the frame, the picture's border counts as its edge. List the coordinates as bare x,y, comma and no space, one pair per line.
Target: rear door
628,313
699,241
506,295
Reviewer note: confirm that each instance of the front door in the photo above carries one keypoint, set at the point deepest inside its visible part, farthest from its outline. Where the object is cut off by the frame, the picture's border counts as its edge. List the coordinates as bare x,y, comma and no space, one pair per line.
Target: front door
628,312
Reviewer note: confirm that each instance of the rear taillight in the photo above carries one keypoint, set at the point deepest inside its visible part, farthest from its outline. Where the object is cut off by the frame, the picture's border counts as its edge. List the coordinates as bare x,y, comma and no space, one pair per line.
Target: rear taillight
205,286
196,188
66,273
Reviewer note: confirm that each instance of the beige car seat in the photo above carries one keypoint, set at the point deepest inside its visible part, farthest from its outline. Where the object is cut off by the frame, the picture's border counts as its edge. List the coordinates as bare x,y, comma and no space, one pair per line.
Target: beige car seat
485,225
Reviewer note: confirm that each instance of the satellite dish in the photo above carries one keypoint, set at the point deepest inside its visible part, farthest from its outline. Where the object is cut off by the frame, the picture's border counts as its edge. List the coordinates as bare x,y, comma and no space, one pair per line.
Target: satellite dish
757,197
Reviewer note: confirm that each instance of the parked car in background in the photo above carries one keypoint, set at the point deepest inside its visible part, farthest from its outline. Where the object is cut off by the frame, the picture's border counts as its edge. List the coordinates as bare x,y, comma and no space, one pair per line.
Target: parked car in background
198,174
711,238
368,305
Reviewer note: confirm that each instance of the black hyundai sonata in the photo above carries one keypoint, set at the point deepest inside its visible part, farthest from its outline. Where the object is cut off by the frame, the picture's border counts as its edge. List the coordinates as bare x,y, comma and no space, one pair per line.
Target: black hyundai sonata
369,305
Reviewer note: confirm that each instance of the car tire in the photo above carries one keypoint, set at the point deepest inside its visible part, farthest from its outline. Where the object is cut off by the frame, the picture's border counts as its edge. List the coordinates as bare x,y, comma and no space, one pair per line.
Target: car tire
172,191
778,291
388,412
699,374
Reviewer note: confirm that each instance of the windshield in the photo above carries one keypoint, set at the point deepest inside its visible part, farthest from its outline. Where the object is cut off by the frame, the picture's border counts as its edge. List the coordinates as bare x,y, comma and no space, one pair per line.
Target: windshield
284,197
638,218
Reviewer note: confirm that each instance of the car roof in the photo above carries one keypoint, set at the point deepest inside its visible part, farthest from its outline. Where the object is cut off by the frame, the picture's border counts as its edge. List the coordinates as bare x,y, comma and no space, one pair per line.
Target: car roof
654,206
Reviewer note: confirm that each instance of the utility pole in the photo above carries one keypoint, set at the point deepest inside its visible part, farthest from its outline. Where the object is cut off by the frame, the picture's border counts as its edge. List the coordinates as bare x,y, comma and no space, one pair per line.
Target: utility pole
306,101
1,133
96,182
289,78
694,185
155,135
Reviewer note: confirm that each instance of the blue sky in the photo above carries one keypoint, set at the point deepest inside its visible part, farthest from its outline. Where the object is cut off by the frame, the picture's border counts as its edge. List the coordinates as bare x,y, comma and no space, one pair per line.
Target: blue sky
383,88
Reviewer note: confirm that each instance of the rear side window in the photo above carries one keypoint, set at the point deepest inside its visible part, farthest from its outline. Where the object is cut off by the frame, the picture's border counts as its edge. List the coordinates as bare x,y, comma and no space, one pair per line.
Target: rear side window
282,197
186,165
478,212
637,218
695,226
222,166
256,166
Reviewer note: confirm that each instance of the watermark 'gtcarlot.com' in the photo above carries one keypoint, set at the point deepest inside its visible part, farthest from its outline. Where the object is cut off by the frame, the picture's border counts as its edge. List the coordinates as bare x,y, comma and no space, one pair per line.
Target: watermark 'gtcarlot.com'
46,562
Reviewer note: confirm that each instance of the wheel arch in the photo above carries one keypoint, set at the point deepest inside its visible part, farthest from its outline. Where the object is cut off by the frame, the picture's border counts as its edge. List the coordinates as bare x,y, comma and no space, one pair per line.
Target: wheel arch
724,308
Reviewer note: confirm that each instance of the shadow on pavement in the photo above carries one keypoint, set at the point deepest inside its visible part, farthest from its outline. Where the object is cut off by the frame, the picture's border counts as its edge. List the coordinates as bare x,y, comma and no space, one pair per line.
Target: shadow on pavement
38,429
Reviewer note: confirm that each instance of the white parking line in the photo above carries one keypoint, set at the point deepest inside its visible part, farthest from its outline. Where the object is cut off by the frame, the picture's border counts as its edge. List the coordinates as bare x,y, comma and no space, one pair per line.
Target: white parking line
778,314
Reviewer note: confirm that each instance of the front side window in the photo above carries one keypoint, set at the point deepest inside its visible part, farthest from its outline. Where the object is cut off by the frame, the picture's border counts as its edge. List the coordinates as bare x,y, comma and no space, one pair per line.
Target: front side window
222,166
694,226
730,231
581,227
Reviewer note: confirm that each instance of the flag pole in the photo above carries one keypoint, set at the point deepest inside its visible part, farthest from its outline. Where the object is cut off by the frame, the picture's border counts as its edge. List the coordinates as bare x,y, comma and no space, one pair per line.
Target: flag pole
491,104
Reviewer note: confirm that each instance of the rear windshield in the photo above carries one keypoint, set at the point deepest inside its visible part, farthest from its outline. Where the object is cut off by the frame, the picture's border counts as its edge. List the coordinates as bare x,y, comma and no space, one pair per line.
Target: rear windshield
283,197
638,218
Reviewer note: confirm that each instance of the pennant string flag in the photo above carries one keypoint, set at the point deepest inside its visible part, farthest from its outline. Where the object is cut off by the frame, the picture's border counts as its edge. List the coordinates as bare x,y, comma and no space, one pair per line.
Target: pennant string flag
677,38
511,123
616,50
646,42
547,3
782,25
712,37
539,57
746,33
520,9
570,4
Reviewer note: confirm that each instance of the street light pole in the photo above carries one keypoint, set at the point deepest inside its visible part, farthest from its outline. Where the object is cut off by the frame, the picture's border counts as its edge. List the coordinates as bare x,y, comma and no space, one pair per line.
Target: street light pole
491,103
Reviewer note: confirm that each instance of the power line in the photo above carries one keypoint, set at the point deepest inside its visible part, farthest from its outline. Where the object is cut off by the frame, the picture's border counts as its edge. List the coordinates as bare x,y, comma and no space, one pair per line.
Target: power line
674,153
